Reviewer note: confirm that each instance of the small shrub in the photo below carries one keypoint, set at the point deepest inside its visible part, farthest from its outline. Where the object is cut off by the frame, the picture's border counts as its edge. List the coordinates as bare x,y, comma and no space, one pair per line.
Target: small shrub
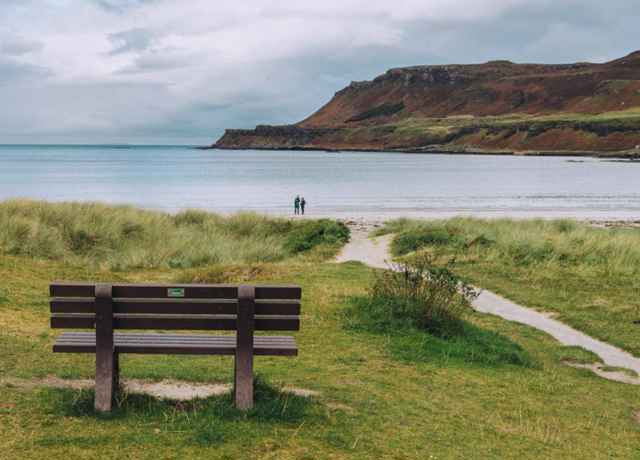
190,217
132,230
4,297
422,294
414,240
482,241
82,241
524,253
564,225
312,233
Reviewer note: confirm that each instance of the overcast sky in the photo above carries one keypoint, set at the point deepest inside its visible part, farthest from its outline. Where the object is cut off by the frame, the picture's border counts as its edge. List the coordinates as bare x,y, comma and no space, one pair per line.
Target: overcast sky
180,71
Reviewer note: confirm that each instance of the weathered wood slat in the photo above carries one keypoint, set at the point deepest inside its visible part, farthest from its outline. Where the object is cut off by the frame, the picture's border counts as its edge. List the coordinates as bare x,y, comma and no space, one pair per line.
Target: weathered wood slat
82,337
175,344
174,322
174,306
160,291
160,338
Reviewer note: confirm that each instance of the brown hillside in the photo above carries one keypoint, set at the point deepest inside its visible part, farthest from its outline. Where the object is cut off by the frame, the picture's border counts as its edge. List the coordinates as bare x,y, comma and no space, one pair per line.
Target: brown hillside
498,105
494,88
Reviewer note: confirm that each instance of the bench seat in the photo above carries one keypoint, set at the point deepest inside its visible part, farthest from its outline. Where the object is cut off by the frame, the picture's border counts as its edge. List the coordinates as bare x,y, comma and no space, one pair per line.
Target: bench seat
150,343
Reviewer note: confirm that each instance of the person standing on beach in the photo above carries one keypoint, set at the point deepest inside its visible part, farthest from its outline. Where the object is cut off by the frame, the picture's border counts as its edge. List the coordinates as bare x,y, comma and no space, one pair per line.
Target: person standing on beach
303,203
296,205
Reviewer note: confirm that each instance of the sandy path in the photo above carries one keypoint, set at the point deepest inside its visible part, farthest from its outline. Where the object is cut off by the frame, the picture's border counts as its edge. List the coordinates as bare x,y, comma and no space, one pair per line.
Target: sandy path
375,252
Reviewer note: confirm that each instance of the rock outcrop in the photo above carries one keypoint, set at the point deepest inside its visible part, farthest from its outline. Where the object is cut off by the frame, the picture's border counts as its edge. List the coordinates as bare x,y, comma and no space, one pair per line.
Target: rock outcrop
496,106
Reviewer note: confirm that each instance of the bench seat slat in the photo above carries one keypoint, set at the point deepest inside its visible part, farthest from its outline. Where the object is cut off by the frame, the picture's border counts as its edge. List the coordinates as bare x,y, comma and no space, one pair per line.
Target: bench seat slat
73,342
174,306
191,291
78,337
174,322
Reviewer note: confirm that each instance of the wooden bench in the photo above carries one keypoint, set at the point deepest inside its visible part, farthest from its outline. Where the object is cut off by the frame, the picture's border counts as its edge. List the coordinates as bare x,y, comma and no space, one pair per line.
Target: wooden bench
106,307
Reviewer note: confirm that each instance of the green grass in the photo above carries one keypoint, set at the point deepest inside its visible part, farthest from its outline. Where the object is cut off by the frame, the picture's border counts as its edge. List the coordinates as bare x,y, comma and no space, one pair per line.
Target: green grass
471,345
388,391
416,131
500,391
588,276
447,123
122,237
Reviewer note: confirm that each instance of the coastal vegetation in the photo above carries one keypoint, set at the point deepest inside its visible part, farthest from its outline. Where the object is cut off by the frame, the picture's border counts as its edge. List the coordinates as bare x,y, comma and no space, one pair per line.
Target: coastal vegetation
584,276
122,237
380,381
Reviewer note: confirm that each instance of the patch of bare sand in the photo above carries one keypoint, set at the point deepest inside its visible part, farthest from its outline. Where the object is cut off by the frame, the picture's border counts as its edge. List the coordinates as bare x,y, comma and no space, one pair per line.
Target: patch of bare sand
301,392
340,407
600,369
371,251
175,390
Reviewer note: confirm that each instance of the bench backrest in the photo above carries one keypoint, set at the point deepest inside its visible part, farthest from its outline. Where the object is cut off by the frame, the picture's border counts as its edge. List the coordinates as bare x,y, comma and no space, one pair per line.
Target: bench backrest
186,307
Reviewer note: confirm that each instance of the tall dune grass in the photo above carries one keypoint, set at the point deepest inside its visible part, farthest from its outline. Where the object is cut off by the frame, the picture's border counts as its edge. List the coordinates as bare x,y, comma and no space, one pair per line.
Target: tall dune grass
123,237
589,277
541,244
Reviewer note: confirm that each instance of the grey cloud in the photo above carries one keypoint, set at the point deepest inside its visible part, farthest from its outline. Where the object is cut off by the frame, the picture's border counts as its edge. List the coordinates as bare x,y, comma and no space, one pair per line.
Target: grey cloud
130,40
156,61
16,46
12,72
120,6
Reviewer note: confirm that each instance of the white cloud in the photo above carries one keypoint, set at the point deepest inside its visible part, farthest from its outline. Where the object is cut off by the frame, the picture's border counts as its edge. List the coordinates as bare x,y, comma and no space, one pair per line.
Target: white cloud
160,68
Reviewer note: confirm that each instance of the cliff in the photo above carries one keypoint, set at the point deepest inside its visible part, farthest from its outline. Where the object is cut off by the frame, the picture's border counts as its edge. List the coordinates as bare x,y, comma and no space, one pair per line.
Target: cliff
498,106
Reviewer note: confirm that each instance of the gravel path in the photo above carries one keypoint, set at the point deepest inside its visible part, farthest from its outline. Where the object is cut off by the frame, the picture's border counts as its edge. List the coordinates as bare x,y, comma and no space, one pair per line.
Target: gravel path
375,253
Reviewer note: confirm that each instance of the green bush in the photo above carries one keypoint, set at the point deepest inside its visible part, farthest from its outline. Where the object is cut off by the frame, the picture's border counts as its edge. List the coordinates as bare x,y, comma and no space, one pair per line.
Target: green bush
411,241
420,308
422,294
313,233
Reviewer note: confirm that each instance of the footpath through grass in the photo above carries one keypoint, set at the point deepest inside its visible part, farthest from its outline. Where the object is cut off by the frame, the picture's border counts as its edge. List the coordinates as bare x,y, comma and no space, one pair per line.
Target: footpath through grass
499,391
589,277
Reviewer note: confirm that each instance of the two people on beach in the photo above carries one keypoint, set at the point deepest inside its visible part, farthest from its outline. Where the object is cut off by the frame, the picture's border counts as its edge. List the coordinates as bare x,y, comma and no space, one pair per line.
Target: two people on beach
298,205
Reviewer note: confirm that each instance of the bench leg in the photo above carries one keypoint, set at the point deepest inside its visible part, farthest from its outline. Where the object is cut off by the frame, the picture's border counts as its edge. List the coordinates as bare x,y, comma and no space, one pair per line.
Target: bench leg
243,382
116,375
243,379
106,360
106,357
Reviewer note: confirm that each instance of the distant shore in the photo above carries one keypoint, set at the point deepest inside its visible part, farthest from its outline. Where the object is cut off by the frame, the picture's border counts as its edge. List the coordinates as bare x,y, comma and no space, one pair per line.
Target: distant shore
627,155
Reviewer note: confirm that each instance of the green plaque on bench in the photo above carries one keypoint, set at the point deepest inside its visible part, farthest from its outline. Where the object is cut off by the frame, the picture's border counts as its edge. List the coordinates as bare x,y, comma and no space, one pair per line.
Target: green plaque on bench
175,292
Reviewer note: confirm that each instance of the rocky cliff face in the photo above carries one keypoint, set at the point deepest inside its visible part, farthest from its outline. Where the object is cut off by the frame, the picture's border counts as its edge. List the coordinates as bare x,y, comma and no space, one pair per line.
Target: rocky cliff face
494,106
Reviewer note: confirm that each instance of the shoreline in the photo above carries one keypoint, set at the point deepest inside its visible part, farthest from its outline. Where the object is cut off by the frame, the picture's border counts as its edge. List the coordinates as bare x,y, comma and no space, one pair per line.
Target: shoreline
626,155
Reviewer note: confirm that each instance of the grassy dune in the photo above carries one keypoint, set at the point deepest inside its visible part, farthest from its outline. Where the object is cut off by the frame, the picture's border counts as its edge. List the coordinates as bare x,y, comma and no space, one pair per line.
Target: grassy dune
588,276
121,237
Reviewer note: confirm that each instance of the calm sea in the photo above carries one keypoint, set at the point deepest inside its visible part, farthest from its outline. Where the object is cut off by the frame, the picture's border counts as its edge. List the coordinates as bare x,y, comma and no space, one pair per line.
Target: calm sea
340,184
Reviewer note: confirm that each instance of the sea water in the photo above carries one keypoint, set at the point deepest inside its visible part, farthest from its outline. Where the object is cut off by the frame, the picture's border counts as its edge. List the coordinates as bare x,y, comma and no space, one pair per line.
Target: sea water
341,184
